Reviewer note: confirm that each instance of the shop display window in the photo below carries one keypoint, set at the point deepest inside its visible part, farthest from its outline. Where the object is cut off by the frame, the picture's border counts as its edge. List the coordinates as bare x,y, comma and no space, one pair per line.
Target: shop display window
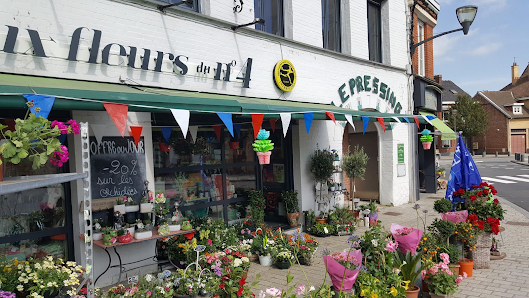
37,248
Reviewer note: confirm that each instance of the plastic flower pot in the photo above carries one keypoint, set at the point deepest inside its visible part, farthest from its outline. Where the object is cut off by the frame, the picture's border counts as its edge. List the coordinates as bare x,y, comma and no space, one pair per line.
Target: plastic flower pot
265,261
234,145
145,207
143,235
466,266
283,265
426,145
120,208
132,208
190,235
412,292
425,287
264,157
174,228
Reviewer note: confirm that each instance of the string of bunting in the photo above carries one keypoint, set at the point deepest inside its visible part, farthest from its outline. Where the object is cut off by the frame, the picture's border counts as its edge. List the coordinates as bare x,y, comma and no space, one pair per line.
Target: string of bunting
118,113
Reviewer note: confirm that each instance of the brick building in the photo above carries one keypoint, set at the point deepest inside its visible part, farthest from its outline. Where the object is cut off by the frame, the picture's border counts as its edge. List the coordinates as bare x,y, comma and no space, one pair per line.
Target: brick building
508,127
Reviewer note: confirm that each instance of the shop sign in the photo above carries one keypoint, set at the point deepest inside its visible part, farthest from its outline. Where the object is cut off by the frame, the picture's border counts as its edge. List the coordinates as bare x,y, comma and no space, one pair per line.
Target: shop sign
130,55
430,99
285,75
400,153
366,84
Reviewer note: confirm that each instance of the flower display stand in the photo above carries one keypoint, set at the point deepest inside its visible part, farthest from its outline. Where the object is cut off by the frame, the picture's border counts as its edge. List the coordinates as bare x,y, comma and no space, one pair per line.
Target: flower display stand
481,254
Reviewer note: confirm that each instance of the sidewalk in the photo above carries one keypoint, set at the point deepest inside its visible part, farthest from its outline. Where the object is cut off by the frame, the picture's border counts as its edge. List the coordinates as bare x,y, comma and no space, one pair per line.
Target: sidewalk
506,278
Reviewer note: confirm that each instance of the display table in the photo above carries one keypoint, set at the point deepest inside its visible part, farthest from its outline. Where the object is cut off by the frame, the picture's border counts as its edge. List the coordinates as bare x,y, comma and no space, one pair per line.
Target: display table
155,236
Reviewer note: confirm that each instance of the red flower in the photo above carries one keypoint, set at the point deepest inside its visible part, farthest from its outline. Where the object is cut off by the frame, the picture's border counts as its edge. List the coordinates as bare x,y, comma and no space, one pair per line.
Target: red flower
480,193
239,292
486,191
473,198
494,191
216,295
474,186
496,201
455,194
242,282
461,191
222,285
481,225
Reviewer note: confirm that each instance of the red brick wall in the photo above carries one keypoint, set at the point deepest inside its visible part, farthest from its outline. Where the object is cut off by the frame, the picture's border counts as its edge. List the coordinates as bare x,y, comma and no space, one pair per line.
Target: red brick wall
428,50
497,137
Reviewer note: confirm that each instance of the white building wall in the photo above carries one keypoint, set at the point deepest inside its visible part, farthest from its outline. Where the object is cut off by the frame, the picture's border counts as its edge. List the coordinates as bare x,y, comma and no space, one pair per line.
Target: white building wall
358,21
398,40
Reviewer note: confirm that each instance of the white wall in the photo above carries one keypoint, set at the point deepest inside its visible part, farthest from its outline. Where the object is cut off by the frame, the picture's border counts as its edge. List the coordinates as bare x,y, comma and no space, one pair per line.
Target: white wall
128,253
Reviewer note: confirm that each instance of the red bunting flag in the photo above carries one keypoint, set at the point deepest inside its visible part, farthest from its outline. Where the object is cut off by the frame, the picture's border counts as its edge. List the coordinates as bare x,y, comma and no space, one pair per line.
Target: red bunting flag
381,121
136,133
118,113
416,120
217,129
257,121
331,116
273,124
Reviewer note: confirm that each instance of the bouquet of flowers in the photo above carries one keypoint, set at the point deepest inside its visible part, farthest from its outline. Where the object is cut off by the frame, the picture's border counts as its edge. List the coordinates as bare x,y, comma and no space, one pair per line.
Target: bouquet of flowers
406,237
455,216
342,268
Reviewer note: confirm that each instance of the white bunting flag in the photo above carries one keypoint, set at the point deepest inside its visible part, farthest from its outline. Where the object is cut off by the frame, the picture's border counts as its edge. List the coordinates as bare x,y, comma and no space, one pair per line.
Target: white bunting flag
349,119
99,131
285,121
182,118
396,119
193,131
427,120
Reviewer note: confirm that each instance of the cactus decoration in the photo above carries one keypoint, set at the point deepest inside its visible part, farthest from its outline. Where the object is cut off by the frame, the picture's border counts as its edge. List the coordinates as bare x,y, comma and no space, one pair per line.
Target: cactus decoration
263,147
426,139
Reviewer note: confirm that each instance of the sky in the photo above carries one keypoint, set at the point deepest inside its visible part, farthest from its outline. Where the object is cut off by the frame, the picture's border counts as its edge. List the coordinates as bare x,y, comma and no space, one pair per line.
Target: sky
482,59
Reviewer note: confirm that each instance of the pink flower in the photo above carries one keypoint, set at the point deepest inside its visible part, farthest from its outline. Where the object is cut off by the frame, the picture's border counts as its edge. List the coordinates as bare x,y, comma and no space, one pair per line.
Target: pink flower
210,243
274,292
74,125
459,279
445,257
62,127
391,246
465,274
300,290
423,274
149,293
58,158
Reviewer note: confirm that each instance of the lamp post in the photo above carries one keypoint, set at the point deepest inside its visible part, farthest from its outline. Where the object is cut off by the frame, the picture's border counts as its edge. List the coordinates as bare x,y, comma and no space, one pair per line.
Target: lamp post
465,16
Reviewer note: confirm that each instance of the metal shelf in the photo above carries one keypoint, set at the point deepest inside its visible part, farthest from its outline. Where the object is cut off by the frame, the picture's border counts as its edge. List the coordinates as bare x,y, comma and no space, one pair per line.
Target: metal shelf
21,183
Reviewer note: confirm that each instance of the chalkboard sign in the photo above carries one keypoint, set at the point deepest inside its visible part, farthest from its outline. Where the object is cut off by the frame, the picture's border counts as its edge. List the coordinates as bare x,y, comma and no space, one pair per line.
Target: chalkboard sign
118,168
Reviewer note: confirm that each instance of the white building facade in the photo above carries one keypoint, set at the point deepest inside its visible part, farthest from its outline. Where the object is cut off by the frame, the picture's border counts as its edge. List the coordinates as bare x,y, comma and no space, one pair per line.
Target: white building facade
359,64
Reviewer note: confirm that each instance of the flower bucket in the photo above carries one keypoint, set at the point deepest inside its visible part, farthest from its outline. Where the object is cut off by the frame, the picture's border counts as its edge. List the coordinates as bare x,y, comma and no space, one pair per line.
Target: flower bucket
264,157
467,266
412,292
234,145
425,287
408,242
336,271
265,261
293,219
426,145
321,219
456,216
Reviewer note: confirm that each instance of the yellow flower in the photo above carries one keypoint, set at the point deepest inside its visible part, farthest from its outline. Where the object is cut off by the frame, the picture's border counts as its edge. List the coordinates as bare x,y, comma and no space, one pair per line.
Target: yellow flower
406,283
363,293
374,295
376,279
393,291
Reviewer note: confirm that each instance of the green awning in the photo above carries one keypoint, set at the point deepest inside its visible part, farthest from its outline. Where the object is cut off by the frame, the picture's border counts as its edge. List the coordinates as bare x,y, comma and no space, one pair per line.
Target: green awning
84,95
446,132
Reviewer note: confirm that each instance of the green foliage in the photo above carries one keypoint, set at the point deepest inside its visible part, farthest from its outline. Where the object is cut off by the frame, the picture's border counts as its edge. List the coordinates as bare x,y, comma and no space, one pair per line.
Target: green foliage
257,204
407,263
319,229
483,209
453,252
200,147
426,138
442,229
354,164
32,138
442,206
442,283
470,117
310,215
341,216
262,145
290,198
321,165
121,232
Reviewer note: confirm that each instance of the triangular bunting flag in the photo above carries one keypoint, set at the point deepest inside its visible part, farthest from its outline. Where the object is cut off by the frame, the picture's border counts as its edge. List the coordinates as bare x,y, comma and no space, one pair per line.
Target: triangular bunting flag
406,119
365,121
166,131
135,131
238,127
349,119
44,103
182,118
427,119
257,121
228,122
285,122
118,113
416,120
273,124
430,117
193,131
396,119
381,121
99,131
217,129
331,116
308,120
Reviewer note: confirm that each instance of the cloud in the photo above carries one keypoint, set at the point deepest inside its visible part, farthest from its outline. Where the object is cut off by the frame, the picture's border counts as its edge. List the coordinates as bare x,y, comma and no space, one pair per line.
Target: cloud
444,45
495,4
486,49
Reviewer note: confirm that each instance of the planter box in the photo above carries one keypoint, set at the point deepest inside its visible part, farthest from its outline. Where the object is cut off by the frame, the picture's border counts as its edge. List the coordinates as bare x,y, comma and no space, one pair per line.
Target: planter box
132,231
146,207
143,235
97,236
174,228
120,208
265,261
132,208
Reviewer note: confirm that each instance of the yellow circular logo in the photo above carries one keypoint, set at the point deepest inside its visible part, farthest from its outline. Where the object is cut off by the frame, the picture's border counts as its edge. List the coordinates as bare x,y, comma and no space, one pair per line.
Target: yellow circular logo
285,75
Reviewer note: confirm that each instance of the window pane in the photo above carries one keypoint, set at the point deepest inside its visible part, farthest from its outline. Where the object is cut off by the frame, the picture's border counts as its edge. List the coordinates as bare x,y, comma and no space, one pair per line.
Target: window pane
334,25
35,248
237,212
191,187
374,31
272,12
194,7
240,180
181,152
215,212
239,148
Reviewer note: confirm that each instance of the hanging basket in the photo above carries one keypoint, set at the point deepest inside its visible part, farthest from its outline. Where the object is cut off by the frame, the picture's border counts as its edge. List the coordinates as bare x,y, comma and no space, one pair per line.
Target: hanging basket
426,145
264,157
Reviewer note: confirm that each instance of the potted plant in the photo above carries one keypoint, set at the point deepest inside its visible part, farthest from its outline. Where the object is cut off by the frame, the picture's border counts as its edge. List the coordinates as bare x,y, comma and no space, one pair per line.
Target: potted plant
258,204
97,229
265,248
163,229
147,203
410,268
322,218
322,230
466,233
310,218
109,236
143,230
426,139
290,198
120,205
174,222
321,166
130,205
36,138
263,147
441,281
198,149
354,164
123,236
331,185
283,259
131,226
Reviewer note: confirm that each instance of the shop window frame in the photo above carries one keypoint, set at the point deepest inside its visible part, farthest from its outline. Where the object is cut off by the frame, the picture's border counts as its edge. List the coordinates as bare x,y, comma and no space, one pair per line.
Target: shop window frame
195,8
374,38
337,47
259,9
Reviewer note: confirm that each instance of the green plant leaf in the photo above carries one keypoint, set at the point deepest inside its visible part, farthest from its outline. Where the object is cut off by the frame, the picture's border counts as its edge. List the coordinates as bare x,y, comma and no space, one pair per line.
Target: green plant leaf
9,150
18,144
22,153
43,158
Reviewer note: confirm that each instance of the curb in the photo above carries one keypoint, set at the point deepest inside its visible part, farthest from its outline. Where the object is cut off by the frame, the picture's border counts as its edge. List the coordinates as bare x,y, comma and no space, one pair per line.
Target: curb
514,206
520,163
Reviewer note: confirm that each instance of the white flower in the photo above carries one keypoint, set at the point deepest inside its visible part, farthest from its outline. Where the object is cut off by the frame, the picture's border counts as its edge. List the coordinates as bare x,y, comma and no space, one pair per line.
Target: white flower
374,242
312,288
97,226
149,278
245,259
20,288
237,262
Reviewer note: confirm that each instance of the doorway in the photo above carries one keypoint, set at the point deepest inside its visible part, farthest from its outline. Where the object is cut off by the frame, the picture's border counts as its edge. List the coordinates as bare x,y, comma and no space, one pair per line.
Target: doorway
518,143
367,189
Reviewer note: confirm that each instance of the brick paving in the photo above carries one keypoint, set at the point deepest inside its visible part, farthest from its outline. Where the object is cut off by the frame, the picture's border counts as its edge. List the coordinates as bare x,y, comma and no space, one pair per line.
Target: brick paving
506,278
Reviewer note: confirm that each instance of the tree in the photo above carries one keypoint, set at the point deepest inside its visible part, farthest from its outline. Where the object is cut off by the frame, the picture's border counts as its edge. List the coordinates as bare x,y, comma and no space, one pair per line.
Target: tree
354,164
470,117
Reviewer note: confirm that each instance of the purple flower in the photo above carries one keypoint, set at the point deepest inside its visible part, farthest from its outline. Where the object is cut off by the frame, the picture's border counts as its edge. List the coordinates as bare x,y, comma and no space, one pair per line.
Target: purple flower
353,238
373,216
416,206
425,211
6,294
325,251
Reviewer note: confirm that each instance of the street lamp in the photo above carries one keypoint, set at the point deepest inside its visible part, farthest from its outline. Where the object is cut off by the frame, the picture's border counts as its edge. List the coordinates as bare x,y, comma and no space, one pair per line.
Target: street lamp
465,16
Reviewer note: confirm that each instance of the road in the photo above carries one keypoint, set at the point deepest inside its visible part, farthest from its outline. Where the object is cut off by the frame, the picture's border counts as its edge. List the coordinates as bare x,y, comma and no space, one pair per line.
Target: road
510,179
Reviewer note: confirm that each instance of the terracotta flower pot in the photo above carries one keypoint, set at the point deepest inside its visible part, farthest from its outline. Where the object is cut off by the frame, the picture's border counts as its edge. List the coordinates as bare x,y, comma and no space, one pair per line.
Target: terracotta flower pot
293,219
426,145
264,157
466,266
412,292
425,287
321,220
